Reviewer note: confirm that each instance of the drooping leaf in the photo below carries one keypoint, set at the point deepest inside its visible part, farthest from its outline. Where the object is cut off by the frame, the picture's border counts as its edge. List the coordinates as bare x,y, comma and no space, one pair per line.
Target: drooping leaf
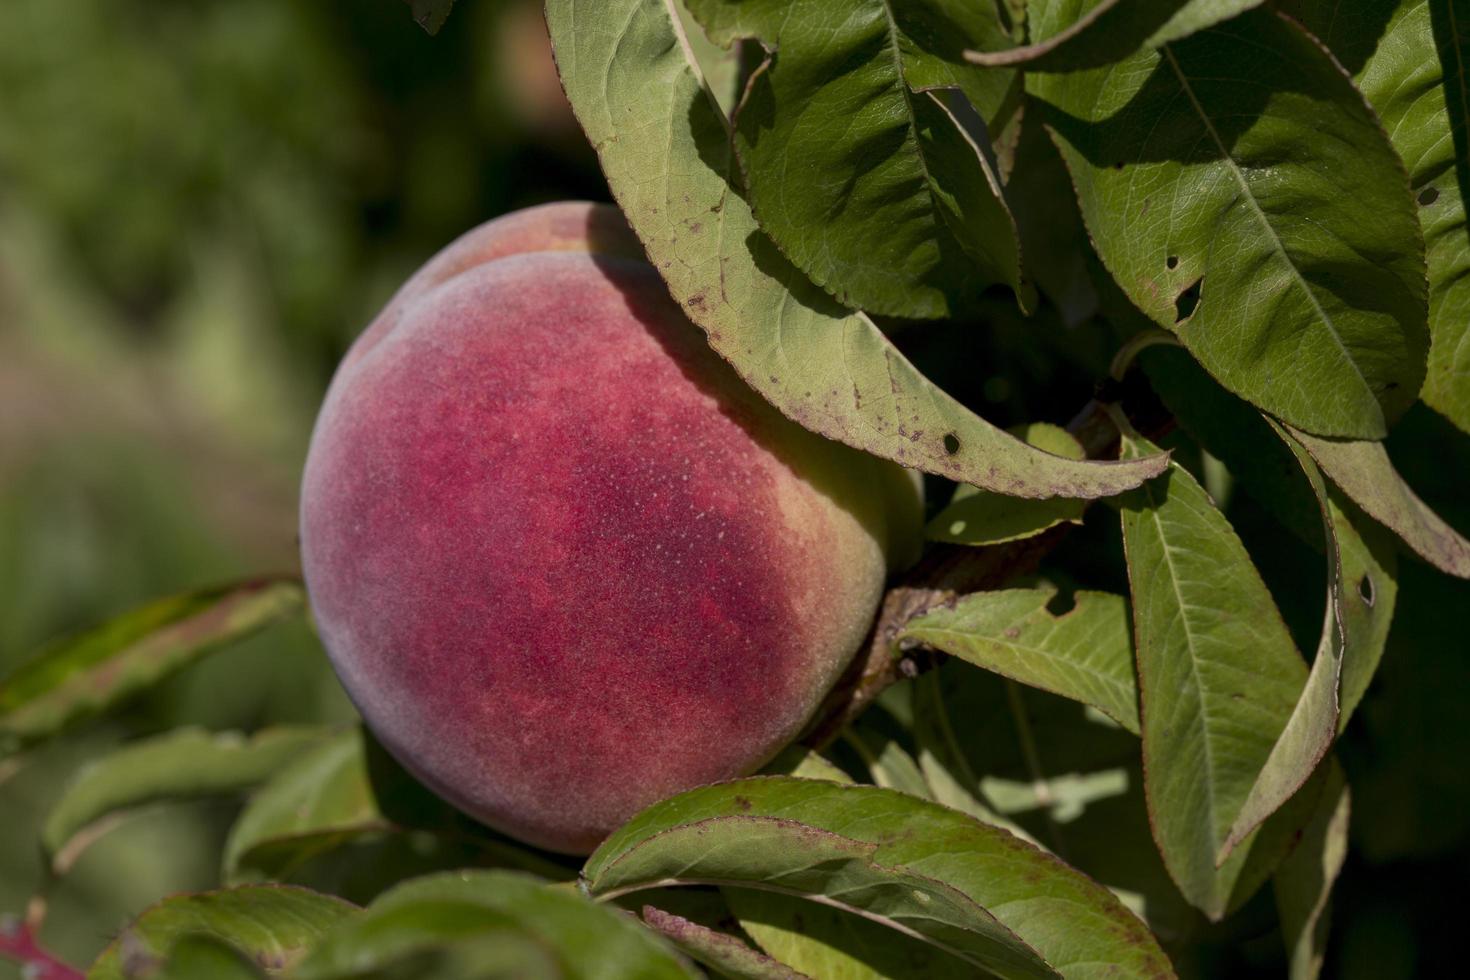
1237,434
1218,675
973,891
337,798
1243,196
978,517
1085,653
1364,472
1091,33
272,924
430,14
893,208
1411,58
726,955
182,764
1355,627
81,677
1303,885
664,147
889,764
589,941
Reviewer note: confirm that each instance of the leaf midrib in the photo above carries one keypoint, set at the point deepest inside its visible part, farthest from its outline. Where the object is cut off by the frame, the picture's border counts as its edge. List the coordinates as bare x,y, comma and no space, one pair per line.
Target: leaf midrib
1255,205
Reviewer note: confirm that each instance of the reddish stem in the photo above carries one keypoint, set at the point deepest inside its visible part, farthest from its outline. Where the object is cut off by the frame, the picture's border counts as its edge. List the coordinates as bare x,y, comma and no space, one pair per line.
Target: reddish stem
18,943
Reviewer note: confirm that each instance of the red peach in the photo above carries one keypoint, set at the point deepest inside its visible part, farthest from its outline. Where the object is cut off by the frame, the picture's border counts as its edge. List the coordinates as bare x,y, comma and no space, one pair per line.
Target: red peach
564,561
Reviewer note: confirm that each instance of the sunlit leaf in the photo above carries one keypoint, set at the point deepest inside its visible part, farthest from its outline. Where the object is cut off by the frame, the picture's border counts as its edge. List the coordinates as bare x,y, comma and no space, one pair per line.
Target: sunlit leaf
182,764
83,676
1355,627
973,891
272,924
1218,675
1411,58
664,147
1242,195
1085,653
894,209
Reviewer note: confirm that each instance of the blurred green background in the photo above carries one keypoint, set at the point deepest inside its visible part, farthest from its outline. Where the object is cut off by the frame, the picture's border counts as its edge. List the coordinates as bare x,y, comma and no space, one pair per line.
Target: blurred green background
202,202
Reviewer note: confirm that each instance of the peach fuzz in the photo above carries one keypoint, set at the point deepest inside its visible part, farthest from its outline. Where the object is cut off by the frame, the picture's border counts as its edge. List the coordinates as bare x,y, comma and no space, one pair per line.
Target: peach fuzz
564,561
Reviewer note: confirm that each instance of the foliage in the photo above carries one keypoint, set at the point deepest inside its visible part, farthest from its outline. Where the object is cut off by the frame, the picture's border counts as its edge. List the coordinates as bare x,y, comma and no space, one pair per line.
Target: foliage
1226,240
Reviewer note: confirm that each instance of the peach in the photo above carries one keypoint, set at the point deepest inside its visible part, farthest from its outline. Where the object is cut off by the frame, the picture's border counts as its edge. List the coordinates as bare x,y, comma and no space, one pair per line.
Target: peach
564,561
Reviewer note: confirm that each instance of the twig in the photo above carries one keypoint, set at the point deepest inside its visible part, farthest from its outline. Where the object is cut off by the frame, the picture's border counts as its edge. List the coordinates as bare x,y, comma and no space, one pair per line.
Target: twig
948,571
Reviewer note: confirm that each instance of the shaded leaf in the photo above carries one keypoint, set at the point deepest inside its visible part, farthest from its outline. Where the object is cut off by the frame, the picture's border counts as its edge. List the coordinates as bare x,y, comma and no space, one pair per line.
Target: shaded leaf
1085,653
1236,433
1218,675
182,764
978,517
1069,35
1364,472
197,956
830,944
1422,102
1243,196
432,939
1303,885
971,890
665,150
588,941
83,676
893,209
798,760
272,924
339,800
723,953
430,14
1355,627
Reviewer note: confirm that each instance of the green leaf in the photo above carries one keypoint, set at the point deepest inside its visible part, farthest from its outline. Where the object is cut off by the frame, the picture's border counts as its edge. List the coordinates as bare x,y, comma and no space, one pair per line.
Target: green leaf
830,944
1364,472
340,797
1422,102
976,517
1085,653
592,942
433,939
974,891
723,953
1218,675
664,147
196,956
892,207
81,677
1237,434
1075,34
888,762
1063,774
1244,196
798,760
1355,627
430,14
182,764
1303,885
272,924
